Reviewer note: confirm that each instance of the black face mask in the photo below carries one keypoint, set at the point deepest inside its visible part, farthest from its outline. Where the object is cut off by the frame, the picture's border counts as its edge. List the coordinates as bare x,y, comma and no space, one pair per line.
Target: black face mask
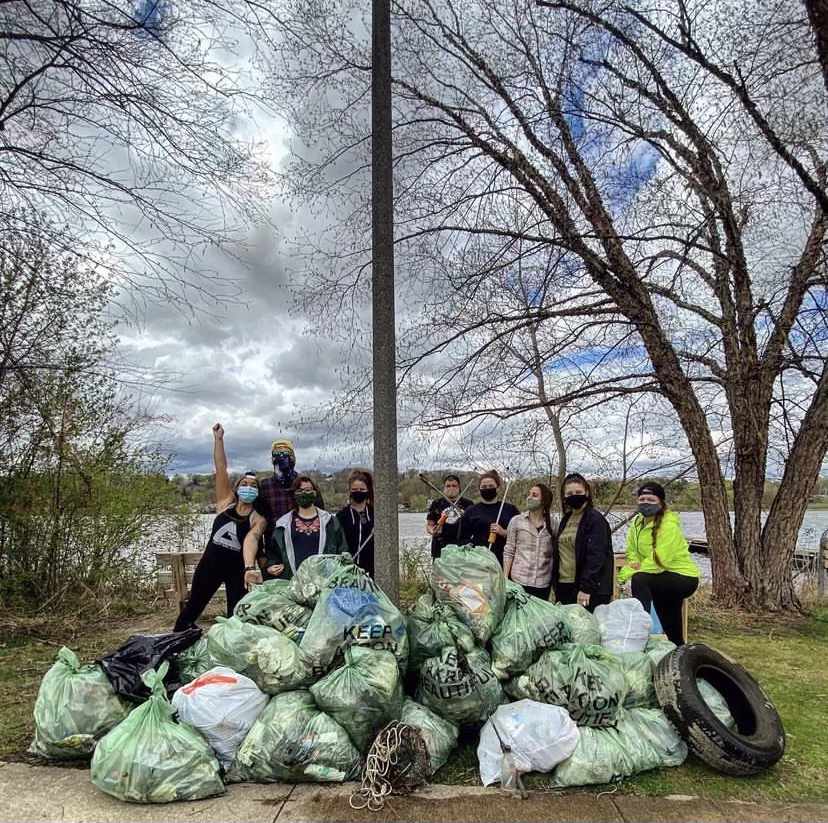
488,494
575,501
359,497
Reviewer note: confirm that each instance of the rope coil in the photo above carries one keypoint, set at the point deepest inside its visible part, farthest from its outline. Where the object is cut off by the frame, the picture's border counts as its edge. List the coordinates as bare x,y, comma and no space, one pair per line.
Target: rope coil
397,763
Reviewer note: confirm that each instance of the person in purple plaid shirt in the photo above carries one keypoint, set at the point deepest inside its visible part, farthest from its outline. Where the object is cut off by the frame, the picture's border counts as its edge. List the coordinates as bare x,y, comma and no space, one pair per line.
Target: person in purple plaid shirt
275,499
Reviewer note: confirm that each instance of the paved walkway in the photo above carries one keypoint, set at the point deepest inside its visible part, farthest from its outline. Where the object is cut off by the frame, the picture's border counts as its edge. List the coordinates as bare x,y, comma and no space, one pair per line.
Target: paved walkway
31,794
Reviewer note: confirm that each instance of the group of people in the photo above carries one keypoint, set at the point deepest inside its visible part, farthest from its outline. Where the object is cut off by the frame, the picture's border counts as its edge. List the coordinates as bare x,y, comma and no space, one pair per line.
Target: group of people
571,559
265,529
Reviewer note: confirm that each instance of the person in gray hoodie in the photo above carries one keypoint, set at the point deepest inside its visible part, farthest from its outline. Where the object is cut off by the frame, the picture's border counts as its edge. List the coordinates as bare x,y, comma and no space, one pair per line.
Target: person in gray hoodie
304,531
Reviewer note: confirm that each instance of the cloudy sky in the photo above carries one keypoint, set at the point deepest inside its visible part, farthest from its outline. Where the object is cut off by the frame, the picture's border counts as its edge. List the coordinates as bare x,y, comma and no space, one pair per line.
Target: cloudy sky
245,357
240,360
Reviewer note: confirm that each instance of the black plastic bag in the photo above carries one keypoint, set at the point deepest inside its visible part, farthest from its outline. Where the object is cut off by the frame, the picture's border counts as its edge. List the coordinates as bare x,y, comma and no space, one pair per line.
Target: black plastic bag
125,665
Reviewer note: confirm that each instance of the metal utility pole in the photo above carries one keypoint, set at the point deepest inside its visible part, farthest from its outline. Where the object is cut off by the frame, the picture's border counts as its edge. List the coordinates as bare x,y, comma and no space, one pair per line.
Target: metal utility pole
386,478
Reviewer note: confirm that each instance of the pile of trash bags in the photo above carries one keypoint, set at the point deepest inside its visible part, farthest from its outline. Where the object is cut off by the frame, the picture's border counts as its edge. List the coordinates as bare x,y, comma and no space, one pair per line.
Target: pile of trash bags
298,682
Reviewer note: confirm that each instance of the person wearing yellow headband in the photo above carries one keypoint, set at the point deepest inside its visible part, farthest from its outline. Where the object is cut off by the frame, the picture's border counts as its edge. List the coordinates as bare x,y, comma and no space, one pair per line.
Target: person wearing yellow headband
274,501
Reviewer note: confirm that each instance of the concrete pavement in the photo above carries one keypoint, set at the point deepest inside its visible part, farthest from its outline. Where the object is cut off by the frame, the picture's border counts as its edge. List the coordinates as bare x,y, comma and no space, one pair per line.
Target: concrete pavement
33,794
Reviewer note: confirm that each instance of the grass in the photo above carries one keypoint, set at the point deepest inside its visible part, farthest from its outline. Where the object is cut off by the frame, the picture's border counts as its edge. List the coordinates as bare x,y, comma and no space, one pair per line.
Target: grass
786,654
29,648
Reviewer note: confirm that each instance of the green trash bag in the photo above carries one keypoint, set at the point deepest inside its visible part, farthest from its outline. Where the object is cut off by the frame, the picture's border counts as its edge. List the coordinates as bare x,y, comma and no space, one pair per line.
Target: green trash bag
597,687
655,738
431,627
272,661
658,647
638,673
271,604
315,573
353,611
601,756
582,625
545,681
470,580
281,665
439,736
363,695
529,627
293,741
194,661
460,687
149,758
588,681
716,703
642,739
76,706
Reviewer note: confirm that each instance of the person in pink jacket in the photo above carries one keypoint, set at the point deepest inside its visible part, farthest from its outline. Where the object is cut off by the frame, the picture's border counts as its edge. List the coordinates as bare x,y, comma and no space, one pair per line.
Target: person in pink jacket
530,538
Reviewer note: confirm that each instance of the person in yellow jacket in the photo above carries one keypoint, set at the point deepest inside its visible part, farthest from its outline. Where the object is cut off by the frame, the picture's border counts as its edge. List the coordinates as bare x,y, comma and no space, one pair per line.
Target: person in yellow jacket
659,565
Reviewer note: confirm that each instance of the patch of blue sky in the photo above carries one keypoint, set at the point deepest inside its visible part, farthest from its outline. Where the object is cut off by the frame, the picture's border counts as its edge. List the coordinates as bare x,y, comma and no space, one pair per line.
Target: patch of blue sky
816,299
568,272
626,179
151,15
635,164
592,356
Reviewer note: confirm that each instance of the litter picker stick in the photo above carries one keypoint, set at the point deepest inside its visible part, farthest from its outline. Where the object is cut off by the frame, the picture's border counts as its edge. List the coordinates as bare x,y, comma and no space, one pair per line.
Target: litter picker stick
442,495
492,535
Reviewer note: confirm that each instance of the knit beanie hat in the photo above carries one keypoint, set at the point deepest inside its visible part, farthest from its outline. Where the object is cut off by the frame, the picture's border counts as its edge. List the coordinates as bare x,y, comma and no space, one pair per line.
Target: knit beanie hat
283,446
651,487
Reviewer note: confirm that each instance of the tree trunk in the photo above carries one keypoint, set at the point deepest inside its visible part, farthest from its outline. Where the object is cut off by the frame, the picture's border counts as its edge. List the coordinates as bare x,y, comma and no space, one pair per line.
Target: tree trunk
818,16
749,403
552,414
772,580
729,584
555,421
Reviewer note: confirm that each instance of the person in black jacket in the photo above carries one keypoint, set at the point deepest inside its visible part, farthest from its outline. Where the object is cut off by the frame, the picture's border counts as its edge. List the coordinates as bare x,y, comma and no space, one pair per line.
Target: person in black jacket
443,518
582,557
357,519
487,517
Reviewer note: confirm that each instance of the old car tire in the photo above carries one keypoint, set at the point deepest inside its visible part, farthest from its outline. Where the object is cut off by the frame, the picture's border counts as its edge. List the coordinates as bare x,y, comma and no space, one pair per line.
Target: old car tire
757,741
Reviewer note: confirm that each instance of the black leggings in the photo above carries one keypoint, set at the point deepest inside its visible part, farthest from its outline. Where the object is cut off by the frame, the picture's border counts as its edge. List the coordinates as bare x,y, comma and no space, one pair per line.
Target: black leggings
542,592
217,566
567,593
667,591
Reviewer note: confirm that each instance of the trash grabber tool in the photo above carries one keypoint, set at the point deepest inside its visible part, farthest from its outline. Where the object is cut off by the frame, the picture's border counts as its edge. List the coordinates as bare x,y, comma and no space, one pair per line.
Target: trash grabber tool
492,535
458,511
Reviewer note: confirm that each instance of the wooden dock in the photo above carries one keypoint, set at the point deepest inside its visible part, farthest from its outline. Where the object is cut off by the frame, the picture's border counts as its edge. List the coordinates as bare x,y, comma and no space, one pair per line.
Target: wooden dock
806,559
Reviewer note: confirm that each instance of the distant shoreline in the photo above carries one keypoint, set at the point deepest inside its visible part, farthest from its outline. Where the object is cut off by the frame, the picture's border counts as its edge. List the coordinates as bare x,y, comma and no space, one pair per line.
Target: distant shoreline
818,507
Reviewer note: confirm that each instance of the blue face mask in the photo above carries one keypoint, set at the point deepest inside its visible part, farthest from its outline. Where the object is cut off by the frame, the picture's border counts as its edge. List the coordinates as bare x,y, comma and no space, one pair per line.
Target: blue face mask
283,464
247,494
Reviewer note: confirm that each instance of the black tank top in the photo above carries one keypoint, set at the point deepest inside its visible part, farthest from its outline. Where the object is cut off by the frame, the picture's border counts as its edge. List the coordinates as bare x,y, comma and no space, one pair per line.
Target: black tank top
229,529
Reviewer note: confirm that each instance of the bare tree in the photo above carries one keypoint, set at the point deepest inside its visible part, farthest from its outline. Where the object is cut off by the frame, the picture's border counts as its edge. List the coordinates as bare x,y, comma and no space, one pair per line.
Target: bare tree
692,197
818,16
120,121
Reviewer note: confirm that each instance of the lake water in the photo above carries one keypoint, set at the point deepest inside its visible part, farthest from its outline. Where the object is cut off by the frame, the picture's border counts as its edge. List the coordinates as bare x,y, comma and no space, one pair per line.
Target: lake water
412,525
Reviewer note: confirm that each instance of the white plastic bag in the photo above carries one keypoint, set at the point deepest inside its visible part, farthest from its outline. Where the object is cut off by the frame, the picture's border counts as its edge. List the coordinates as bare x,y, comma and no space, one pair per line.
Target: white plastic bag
540,737
222,705
624,625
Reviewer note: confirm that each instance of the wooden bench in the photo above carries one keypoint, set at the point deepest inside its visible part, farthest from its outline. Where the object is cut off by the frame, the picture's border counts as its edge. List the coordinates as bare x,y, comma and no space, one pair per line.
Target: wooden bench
175,574
618,562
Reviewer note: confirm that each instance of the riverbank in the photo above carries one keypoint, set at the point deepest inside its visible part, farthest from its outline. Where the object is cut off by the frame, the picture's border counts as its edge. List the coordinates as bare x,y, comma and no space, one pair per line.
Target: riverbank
786,654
